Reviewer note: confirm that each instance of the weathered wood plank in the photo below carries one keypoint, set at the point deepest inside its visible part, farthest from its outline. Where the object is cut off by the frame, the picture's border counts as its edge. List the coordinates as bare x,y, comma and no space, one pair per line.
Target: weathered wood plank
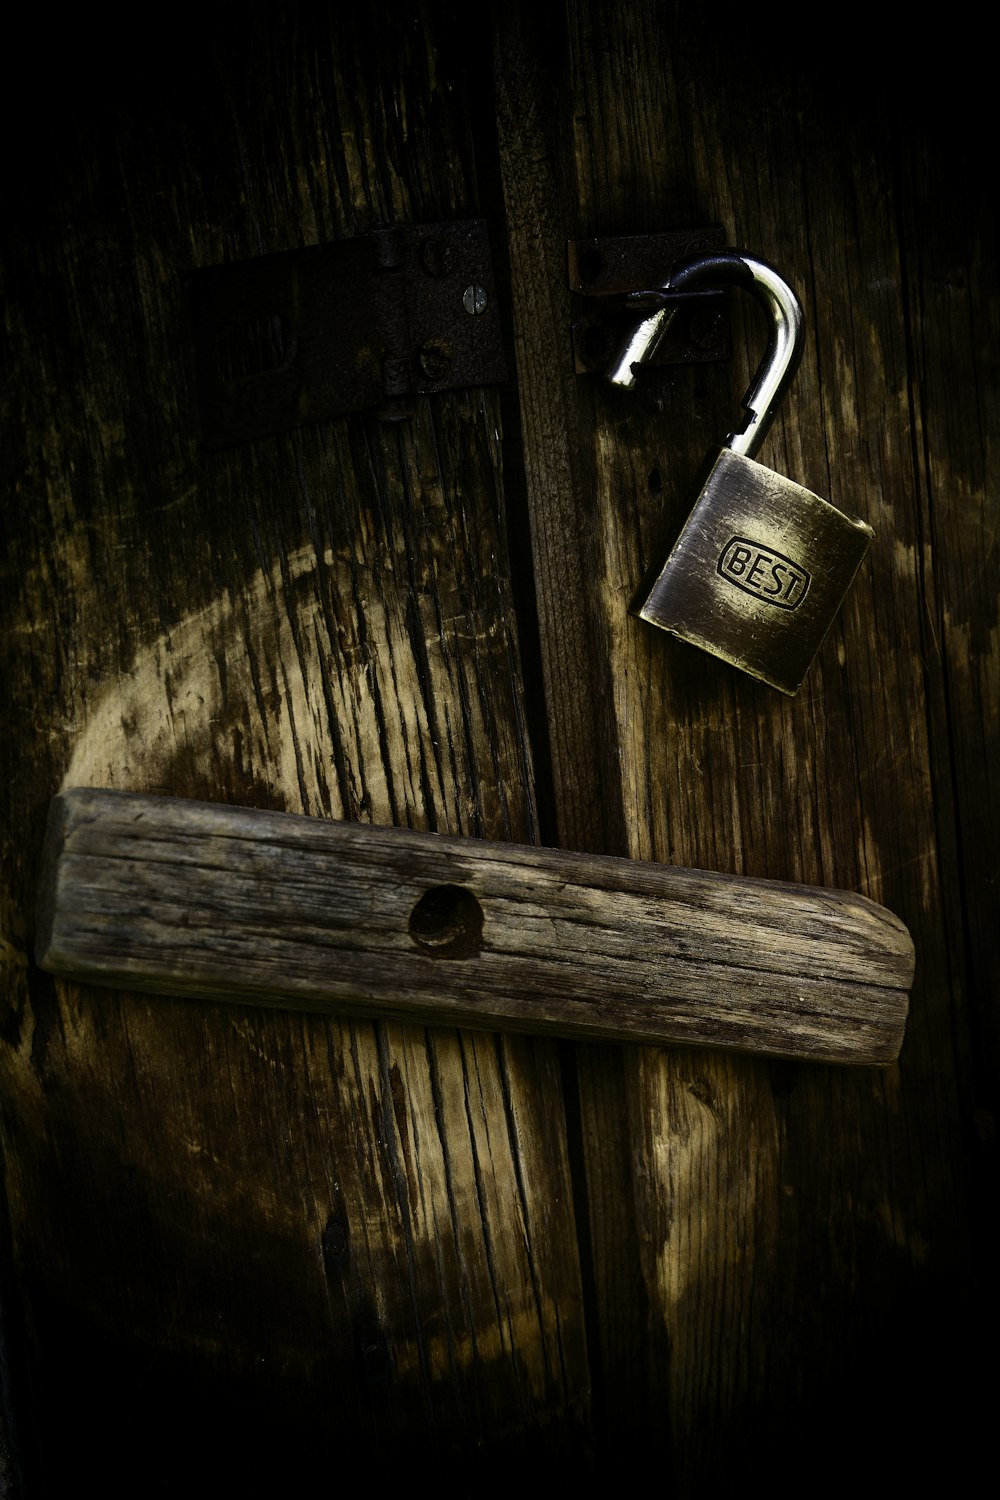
190,898
259,1240
778,1230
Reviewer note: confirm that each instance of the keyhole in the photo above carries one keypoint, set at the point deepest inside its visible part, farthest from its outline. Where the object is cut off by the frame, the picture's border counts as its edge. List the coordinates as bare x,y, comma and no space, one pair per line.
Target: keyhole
447,922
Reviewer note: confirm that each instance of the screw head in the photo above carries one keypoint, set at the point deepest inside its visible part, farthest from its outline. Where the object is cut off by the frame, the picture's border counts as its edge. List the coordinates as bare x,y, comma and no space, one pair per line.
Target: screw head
475,300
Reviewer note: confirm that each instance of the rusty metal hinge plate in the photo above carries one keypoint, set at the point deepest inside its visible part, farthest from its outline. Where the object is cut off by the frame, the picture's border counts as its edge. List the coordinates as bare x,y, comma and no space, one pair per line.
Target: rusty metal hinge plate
605,270
309,335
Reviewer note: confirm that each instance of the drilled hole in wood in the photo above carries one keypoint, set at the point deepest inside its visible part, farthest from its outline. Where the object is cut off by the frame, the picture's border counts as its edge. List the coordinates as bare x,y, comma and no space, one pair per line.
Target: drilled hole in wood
447,922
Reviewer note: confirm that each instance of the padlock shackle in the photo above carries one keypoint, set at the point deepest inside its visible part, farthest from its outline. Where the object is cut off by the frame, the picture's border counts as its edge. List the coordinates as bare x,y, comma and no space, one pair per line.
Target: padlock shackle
784,350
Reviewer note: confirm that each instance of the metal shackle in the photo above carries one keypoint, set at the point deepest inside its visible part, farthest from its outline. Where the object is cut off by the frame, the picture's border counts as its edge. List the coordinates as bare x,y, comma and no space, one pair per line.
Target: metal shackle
784,350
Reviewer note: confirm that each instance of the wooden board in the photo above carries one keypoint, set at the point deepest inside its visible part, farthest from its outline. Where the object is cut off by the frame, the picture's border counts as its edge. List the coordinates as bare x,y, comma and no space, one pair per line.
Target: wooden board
241,1243
190,898
766,1242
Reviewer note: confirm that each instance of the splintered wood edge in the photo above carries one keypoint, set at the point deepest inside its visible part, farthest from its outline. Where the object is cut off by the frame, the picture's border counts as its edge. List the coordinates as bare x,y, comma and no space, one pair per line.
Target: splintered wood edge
223,903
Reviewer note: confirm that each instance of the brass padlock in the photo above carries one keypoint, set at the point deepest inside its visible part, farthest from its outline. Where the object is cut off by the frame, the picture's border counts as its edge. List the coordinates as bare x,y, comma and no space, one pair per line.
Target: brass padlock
761,565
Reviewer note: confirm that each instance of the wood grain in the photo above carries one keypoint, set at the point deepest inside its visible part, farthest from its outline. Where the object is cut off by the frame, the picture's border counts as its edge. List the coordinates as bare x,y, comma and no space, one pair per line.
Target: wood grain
259,1239
188,898
776,1232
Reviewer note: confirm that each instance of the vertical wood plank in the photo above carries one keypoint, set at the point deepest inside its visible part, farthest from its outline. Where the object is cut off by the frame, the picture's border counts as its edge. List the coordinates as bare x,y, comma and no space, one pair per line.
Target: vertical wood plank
779,1233
258,1239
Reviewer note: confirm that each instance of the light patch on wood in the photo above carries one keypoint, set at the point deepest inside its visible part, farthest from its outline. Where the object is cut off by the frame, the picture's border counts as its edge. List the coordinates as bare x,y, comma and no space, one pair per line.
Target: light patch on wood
970,654
702,1147
250,666
173,695
440,1168
904,558
682,1157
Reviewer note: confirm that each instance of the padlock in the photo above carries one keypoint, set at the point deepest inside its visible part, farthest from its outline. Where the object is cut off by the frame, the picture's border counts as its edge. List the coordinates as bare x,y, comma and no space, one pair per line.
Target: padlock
761,565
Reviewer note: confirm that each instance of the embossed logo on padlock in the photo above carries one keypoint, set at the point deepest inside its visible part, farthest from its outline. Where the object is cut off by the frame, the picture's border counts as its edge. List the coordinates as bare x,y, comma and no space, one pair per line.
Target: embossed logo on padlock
764,572
762,564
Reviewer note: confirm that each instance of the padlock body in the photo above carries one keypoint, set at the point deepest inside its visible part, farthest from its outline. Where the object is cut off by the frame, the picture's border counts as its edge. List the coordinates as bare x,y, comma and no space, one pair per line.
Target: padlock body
758,572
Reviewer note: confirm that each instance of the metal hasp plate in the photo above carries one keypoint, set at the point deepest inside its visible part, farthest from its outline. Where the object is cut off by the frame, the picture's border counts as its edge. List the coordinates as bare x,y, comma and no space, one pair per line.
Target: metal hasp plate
606,271
308,335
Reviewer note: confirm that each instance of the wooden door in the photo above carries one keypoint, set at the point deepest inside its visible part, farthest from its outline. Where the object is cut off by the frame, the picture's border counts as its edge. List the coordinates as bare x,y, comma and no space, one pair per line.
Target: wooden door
249,1249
